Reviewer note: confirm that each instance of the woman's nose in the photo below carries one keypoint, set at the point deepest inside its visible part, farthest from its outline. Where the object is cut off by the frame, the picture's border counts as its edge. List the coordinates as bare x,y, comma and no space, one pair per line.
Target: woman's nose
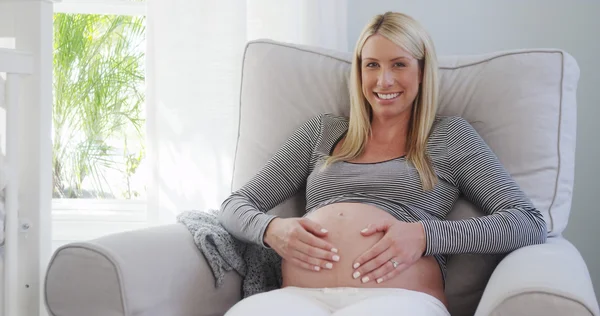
385,79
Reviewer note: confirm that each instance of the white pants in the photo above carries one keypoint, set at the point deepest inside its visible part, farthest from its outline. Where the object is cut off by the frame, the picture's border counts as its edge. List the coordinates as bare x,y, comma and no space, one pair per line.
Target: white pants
343,301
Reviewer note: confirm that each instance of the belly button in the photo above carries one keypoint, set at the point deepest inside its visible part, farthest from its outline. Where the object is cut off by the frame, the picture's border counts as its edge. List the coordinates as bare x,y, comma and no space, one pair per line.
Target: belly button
341,214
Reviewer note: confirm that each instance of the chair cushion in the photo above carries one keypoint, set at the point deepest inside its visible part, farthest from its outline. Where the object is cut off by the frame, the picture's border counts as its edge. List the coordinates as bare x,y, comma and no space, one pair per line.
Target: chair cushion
522,102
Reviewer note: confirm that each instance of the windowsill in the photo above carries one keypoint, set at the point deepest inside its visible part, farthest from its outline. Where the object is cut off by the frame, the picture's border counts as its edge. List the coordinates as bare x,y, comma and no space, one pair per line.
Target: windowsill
105,210
85,219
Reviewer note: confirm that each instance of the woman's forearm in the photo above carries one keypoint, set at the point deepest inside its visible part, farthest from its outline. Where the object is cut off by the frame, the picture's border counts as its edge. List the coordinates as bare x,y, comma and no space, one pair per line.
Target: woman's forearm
501,232
243,220
244,213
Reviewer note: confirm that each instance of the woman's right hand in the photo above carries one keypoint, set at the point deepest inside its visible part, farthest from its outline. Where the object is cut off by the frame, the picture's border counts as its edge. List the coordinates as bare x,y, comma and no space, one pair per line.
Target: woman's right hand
300,242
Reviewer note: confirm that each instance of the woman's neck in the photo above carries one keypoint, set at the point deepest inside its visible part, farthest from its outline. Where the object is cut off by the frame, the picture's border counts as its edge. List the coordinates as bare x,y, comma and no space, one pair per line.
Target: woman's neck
386,131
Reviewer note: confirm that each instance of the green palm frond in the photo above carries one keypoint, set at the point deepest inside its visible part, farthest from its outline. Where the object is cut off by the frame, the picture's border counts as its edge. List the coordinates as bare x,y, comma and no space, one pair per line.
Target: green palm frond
98,98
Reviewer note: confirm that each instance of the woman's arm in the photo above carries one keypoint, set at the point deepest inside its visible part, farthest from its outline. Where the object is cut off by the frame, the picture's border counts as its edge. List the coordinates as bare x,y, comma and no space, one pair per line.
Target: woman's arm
512,221
243,213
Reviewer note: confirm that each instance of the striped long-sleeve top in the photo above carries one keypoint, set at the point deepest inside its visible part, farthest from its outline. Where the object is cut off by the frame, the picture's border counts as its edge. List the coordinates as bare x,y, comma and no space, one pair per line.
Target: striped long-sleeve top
462,161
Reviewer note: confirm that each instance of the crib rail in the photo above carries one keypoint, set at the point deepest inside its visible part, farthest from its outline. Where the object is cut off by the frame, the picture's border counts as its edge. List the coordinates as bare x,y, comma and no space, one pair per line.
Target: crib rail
15,64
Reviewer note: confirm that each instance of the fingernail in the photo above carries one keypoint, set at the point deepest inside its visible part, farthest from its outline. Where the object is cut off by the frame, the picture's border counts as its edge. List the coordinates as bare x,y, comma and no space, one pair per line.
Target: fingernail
365,279
317,268
329,265
379,280
356,274
334,250
364,230
356,265
336,258
323,230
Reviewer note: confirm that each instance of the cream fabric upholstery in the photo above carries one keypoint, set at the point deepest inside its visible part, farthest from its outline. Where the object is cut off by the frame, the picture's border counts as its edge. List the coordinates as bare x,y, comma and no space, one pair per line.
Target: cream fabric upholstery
521,102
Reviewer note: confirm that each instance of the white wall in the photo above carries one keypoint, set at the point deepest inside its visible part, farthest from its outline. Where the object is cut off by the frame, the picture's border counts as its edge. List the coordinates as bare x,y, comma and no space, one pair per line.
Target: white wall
192,119
6,41
473,26
29,22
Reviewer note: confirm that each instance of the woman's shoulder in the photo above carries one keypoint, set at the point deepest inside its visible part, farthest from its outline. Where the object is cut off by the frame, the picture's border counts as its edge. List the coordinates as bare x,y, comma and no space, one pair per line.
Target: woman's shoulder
450,125
333,124
331,118
326,119
456,133
323,128
327,128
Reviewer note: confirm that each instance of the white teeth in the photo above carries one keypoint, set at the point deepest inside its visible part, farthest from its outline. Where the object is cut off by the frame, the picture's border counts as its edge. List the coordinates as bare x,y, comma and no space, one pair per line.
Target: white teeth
387,96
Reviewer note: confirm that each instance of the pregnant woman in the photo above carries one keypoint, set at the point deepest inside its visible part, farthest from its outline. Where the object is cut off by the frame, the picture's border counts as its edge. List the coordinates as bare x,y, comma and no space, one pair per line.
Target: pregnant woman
379,185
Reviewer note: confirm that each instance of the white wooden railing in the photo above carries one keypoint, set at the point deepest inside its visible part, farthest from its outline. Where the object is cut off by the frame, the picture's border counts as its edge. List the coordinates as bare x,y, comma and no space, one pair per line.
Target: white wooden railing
15,64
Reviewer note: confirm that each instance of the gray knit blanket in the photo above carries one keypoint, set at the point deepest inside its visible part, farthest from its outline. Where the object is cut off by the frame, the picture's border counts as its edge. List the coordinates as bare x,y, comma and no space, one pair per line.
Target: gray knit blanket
259,267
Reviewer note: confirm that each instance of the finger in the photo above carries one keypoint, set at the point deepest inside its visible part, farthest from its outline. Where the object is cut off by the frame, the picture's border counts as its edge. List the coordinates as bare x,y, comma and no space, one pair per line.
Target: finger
314,262
304,265
381,265
373,252
375,228
367,269
313,227
315,241
316,252
390,275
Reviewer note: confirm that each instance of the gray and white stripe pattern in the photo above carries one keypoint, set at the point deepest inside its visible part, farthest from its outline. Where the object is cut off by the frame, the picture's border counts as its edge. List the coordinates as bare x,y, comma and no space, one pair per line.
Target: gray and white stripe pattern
462,161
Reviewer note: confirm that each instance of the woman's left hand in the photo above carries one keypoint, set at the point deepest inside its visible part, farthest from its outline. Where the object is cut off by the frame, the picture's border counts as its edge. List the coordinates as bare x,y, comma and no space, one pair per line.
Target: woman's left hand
402,242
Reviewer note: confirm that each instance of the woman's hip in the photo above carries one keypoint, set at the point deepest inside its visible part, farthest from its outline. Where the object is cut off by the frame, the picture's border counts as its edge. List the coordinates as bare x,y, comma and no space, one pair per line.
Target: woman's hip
341,301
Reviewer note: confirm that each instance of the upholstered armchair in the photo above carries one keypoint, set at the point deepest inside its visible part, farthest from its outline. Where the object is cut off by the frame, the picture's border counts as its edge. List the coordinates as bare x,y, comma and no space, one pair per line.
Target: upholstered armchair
523,103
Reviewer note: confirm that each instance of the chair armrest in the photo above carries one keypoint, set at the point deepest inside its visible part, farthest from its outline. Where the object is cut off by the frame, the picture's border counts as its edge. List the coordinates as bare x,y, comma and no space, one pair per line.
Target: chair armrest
547,279
148,272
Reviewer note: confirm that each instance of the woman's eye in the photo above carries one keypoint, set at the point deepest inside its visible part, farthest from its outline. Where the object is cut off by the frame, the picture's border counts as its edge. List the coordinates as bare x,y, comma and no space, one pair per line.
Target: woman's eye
370,65
399,64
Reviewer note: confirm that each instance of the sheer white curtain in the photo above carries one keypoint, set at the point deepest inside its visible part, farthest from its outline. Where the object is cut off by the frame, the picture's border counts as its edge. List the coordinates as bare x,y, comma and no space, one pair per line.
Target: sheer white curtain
194,58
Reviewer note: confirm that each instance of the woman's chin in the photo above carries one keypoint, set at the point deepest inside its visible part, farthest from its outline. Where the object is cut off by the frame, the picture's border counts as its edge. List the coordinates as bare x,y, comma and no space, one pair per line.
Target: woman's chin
390,111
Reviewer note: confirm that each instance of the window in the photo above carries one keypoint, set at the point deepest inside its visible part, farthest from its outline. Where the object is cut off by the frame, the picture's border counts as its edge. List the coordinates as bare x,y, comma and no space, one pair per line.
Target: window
98,119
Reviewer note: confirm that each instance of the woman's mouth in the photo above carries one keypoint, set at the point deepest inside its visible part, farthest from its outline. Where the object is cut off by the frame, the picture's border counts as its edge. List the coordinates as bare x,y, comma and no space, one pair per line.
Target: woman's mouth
386,98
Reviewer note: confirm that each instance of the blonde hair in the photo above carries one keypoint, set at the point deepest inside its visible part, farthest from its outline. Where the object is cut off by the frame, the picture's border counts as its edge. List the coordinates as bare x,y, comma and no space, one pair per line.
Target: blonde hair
407,33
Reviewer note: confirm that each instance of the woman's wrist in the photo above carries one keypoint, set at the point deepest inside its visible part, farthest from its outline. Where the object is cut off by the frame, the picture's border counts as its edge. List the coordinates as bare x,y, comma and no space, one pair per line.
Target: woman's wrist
269,232
423,238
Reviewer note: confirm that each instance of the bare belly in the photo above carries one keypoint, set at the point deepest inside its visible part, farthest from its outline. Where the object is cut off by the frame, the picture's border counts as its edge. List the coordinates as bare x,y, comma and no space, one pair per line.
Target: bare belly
344,222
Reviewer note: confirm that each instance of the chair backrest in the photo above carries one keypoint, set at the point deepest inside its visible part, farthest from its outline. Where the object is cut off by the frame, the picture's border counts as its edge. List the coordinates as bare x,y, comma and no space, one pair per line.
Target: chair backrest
522,102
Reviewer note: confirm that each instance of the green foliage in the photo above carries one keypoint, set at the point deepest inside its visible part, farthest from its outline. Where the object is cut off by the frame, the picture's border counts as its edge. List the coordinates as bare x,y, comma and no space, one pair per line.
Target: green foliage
98,103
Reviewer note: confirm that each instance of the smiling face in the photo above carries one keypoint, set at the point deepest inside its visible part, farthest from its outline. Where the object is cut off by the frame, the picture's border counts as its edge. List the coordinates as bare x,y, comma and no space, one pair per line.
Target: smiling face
390,77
